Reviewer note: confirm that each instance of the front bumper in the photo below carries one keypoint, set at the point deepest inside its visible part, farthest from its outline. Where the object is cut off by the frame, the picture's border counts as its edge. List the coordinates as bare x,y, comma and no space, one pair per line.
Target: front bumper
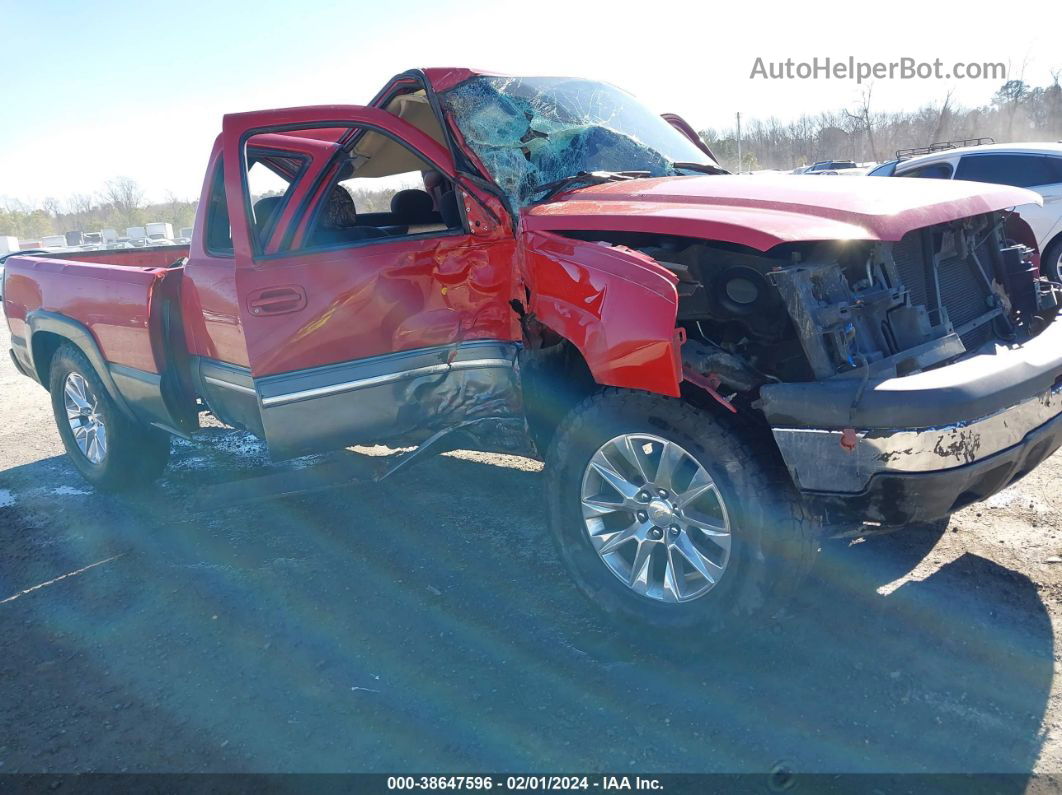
920,447
893,499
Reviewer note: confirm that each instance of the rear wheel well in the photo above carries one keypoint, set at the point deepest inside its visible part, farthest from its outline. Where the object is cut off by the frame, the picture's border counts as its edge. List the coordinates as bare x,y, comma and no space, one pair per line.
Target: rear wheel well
44,344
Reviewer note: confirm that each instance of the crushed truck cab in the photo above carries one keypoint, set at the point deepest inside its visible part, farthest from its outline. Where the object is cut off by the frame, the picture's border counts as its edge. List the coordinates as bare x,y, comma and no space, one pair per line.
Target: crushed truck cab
717,369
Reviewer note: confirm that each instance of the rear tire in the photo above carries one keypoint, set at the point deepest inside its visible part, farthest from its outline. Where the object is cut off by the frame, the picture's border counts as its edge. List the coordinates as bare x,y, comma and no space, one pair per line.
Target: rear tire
770,546
111,451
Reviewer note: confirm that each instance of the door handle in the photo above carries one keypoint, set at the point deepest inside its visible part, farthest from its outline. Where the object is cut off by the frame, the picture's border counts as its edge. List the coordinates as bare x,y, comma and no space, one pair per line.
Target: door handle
276,300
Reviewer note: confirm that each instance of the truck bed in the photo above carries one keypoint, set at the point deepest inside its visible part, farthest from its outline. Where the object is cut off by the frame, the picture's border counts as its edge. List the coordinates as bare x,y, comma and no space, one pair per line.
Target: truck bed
147,257
108,293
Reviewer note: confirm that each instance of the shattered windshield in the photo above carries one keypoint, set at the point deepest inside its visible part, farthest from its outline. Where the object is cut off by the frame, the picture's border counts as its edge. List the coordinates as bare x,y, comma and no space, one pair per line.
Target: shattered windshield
532,131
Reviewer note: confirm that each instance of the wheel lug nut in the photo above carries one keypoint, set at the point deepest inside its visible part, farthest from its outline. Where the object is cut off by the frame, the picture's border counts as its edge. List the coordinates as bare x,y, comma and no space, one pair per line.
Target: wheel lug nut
642,516
662,492
674,530
644,496
655,533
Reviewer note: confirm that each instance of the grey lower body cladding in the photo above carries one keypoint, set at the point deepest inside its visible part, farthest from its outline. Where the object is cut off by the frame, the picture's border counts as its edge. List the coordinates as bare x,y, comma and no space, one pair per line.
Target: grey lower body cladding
399,398
842,438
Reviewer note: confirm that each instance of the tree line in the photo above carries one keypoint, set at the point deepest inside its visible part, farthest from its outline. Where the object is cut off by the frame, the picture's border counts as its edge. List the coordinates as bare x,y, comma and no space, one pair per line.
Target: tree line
1017,112
120,205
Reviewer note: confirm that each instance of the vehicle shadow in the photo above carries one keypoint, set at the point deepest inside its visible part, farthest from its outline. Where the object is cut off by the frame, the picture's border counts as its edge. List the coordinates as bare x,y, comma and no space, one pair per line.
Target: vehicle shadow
426,623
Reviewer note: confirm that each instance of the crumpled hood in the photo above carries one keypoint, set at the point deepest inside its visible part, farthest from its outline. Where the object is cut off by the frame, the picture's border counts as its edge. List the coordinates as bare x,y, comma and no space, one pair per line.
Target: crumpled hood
763,211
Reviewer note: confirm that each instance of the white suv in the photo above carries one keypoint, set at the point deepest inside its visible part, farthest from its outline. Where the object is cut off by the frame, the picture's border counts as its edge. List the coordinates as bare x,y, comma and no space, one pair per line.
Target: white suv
1037,166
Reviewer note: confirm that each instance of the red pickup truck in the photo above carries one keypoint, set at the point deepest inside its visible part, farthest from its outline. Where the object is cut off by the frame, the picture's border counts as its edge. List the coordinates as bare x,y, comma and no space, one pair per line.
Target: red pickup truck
718,370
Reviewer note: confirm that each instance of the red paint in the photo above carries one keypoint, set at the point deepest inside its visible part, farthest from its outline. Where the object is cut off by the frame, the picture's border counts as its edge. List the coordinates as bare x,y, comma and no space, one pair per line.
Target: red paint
209,304
112,301
316,151
684,127
147,257
371,299
377,299
617,306
444,78
709,384
764,211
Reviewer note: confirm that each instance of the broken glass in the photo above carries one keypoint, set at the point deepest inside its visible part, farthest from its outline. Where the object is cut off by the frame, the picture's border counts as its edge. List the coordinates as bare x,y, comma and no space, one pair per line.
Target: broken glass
532,131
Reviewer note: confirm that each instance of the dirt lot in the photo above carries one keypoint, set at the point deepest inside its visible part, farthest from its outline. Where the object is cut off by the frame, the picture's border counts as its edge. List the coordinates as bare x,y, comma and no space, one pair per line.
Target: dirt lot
426,624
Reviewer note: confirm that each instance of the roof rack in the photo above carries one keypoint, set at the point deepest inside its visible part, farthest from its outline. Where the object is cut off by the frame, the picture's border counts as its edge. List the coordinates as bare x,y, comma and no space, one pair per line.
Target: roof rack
941,146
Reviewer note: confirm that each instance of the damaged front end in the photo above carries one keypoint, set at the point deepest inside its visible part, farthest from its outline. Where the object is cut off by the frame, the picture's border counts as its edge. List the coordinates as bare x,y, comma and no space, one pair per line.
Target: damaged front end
900,380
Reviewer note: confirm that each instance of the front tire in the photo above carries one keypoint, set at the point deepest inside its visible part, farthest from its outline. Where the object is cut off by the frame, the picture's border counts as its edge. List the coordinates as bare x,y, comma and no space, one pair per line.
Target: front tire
668,518
111,451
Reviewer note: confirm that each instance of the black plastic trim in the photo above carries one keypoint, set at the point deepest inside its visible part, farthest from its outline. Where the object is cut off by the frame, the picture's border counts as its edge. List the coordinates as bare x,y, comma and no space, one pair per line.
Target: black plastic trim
143,392
40,320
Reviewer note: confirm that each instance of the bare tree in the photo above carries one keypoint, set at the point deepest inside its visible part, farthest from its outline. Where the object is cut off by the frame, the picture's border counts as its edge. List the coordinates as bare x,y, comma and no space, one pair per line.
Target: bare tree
942,117
125,196
52,206
862,117
81,207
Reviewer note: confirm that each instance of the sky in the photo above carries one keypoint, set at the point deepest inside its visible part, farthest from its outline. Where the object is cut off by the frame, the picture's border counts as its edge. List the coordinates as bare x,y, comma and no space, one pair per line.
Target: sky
103,89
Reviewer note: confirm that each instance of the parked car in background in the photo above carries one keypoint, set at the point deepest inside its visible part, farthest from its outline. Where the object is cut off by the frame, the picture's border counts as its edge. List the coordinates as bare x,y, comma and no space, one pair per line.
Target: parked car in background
159,230
827,166
1036,166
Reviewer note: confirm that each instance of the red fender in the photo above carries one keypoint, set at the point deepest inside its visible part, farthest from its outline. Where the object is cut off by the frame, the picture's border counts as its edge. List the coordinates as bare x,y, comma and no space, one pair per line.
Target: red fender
617,306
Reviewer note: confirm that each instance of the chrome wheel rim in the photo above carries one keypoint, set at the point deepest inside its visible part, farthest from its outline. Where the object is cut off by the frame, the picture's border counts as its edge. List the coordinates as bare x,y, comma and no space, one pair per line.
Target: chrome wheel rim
656,518
82,412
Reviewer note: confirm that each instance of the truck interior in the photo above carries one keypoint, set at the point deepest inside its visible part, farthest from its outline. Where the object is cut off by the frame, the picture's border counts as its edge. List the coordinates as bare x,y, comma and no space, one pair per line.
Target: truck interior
373,188
319,188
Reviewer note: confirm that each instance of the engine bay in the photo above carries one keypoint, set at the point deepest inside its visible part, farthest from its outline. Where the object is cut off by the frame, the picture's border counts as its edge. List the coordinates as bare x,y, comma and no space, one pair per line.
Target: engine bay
814,311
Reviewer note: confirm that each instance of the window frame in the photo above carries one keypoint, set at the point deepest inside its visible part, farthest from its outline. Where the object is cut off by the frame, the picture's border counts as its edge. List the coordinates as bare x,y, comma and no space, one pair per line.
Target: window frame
912,173
973,156
210,217
262,241
306,214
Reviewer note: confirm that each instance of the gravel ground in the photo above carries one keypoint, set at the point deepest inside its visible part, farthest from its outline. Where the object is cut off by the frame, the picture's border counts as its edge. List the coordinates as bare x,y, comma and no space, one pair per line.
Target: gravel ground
426,624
